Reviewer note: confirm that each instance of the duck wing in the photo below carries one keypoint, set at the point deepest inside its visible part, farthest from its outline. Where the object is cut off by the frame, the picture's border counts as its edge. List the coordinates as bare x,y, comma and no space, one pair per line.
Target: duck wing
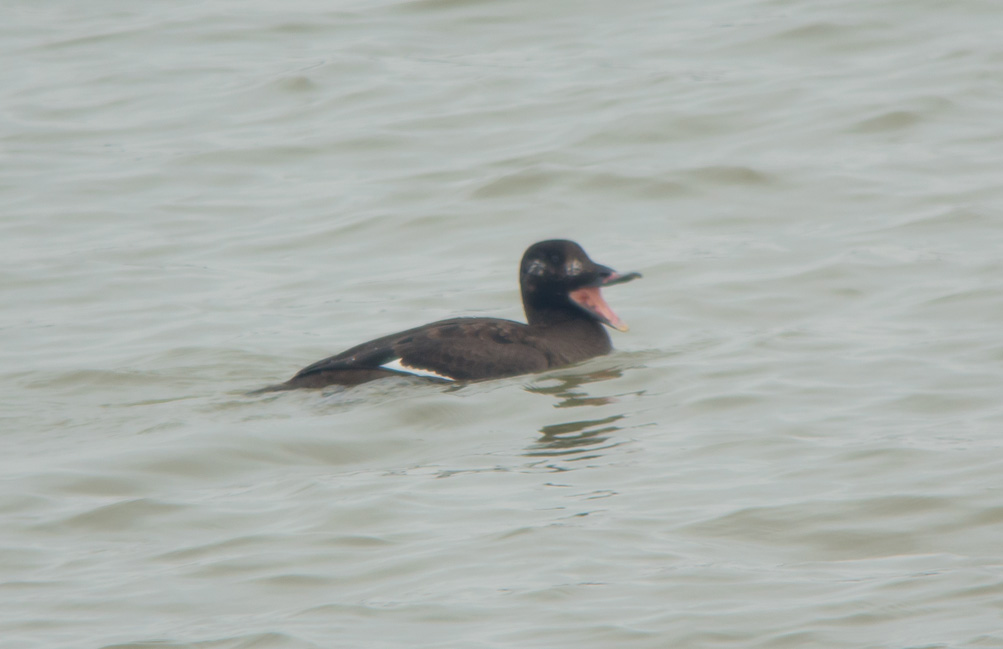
462,349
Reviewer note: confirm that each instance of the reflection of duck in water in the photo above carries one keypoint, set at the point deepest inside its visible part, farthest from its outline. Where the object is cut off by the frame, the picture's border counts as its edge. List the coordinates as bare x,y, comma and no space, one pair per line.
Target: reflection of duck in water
564,310
570,437
570,397
581,436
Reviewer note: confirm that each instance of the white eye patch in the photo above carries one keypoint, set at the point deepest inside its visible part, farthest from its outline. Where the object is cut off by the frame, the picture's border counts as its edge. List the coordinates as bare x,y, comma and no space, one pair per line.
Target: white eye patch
573,267
537,268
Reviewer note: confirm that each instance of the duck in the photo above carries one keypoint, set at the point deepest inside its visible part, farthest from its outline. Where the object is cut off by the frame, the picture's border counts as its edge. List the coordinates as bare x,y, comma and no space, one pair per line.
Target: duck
566,321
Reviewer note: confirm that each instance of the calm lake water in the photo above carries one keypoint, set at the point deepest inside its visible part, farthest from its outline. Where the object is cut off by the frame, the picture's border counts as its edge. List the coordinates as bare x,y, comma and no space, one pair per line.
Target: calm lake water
798,444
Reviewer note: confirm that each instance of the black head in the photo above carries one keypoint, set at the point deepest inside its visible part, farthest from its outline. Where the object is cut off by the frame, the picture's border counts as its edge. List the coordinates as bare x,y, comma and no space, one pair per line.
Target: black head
557,276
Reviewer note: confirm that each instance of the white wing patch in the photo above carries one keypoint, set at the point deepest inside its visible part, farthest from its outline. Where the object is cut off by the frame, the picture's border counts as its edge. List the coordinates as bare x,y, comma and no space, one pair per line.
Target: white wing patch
400,367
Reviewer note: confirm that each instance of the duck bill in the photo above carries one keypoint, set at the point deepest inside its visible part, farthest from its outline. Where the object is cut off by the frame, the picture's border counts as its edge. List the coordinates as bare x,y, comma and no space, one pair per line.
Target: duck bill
591,300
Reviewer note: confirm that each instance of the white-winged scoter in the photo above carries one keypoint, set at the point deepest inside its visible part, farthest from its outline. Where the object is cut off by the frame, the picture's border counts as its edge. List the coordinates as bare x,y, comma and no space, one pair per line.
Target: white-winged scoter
564,310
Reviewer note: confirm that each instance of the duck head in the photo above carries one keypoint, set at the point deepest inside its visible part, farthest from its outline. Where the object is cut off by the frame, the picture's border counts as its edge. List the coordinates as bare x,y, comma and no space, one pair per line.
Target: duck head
558,279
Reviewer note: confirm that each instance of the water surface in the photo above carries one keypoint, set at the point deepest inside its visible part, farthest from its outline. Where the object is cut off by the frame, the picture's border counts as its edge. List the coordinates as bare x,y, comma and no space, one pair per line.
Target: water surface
797,444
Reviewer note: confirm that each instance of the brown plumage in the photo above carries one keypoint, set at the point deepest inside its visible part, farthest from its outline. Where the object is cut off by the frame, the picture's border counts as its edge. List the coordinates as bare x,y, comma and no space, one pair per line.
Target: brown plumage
564,311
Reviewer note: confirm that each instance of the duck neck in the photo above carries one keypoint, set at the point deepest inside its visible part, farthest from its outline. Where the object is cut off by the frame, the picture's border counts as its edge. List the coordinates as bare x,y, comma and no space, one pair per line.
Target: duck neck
556,314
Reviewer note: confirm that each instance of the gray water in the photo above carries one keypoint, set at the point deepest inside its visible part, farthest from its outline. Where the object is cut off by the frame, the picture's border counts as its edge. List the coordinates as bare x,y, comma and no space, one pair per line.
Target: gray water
798,444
